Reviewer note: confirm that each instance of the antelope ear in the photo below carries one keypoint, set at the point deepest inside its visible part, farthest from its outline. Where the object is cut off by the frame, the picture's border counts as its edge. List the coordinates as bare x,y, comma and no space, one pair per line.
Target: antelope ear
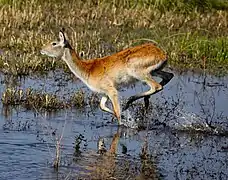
61,37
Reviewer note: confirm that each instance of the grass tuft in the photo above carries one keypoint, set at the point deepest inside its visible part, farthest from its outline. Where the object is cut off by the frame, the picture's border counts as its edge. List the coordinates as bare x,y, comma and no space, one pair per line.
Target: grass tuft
32,99
78,99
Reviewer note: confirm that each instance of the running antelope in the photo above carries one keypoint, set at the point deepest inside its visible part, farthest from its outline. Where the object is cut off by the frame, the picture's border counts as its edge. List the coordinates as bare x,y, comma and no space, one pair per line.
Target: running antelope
107,74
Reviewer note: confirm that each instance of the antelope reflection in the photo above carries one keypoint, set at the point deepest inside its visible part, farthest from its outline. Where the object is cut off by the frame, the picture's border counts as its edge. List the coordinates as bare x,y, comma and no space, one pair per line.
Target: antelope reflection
108,165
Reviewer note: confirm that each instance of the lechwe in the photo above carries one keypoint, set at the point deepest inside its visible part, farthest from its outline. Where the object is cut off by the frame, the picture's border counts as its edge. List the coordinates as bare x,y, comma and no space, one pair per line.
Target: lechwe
105,75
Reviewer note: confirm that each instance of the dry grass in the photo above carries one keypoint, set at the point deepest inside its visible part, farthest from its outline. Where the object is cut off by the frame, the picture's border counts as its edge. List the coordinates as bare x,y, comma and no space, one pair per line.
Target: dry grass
39,100
99,28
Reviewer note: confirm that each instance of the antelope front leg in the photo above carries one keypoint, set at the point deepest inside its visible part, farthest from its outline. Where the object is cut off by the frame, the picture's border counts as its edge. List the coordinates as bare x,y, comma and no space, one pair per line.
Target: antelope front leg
113,96
103,105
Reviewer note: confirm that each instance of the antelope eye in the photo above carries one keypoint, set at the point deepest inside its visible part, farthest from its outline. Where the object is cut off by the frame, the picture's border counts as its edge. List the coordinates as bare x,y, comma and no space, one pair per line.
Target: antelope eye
53,44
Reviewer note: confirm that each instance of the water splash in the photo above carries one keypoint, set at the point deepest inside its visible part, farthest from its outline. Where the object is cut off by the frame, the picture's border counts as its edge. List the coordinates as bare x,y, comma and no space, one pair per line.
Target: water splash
128,120
191,121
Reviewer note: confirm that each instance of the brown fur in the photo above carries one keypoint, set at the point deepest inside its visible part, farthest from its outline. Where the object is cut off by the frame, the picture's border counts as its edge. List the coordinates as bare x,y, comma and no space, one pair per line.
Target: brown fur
105,75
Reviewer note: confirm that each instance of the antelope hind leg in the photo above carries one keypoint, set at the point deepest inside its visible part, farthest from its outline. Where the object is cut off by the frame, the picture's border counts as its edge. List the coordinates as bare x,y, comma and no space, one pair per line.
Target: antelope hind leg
166,77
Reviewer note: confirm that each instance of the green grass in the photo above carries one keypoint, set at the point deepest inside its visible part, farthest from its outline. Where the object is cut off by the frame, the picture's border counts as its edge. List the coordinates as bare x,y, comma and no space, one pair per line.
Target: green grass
193,33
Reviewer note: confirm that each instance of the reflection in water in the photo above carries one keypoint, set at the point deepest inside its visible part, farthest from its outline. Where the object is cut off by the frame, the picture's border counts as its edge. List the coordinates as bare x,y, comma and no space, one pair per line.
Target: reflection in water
7,111
27,148
108,164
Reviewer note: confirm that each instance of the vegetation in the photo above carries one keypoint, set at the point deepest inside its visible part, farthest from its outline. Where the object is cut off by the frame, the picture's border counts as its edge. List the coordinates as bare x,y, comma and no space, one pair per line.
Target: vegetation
37,100
192,32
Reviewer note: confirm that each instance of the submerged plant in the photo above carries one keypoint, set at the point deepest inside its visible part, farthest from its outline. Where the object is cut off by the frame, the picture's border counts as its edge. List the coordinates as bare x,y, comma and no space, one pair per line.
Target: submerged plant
79,139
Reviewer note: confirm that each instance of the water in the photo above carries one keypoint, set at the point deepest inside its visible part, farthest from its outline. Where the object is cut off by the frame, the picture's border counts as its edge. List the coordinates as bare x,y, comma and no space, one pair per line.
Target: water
184,134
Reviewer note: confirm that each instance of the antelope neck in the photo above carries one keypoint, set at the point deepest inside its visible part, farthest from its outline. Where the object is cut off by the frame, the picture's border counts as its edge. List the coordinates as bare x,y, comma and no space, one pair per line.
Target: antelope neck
75,64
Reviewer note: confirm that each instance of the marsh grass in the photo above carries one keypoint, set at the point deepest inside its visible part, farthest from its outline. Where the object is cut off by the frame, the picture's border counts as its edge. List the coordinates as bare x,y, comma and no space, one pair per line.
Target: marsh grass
41,101
188,31
31,99
78,99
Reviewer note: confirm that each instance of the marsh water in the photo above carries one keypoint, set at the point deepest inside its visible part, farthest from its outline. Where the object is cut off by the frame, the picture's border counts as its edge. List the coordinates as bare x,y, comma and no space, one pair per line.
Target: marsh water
183,133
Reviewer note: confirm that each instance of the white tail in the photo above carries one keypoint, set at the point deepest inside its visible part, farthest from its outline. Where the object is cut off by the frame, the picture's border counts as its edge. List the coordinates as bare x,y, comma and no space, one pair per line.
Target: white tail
105,75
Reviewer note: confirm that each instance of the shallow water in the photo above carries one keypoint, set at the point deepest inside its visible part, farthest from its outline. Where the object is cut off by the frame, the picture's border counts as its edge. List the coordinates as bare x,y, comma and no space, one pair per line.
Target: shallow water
182,129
